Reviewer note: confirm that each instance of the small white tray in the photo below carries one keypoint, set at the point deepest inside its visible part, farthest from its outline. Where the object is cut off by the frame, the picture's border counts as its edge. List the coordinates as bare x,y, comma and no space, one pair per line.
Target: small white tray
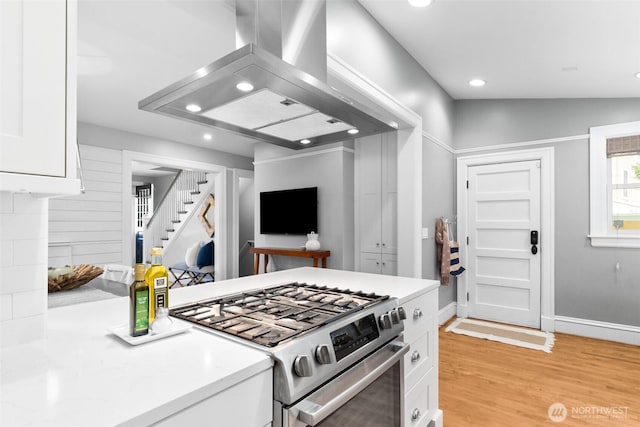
122,332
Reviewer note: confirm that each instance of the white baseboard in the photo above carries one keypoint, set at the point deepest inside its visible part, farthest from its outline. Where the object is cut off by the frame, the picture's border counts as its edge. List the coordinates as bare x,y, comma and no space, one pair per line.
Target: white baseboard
547,324
437,420
626,334
446,313
601,330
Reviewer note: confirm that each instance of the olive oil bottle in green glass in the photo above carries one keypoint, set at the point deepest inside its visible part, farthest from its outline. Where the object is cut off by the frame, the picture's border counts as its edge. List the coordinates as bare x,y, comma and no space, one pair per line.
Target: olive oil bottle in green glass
157,278
139,303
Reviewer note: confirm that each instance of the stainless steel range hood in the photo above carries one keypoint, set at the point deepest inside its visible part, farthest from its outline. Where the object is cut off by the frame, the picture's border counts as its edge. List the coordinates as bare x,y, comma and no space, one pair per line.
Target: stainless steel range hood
282,60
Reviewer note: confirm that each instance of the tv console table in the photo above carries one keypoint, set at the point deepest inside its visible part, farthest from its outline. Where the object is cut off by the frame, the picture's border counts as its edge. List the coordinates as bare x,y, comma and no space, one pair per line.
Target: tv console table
301,253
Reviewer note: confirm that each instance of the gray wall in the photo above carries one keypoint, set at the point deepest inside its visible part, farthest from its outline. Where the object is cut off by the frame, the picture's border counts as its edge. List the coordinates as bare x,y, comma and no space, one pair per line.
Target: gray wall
331,171
586,281
359,40
161,185
439,200
482,123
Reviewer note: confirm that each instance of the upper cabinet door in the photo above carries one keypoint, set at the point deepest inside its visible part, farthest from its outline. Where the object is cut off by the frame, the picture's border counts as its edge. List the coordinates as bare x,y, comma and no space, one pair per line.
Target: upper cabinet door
33,87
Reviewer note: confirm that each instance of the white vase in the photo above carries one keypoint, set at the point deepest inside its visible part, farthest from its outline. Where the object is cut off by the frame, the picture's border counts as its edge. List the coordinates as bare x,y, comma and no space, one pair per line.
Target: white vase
312,242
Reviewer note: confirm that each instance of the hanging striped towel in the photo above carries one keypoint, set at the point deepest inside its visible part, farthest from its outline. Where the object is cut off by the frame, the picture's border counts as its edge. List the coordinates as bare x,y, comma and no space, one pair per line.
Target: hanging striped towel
455,268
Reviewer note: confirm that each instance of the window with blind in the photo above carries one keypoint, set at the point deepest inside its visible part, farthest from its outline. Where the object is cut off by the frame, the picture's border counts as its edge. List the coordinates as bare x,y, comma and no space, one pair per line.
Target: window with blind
624,172
615,185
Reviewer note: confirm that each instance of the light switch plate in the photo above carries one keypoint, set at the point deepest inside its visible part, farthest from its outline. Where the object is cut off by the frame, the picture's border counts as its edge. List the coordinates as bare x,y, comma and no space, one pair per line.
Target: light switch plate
425,233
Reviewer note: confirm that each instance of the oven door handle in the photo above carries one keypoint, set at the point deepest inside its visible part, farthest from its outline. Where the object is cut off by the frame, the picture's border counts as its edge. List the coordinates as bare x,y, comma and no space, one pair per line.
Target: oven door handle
311,412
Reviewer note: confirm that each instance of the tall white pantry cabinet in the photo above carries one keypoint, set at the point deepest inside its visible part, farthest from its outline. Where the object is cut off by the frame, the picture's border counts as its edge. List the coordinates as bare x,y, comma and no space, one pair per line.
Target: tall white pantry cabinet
38,102
377,204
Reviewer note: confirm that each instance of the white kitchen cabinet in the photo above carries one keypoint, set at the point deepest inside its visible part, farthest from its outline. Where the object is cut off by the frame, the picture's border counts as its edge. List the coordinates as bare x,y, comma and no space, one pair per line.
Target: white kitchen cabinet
38,102
379,263
377,200
229,408
421,362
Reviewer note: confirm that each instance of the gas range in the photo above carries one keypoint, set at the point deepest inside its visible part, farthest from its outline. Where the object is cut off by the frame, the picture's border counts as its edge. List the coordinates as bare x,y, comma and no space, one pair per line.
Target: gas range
312,332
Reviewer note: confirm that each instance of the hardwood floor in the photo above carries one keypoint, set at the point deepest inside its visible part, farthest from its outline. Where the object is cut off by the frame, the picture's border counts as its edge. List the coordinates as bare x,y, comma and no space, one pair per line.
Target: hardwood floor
486,383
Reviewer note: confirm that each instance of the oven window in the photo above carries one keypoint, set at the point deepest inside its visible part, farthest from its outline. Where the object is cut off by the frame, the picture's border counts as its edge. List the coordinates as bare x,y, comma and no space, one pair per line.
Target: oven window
378,405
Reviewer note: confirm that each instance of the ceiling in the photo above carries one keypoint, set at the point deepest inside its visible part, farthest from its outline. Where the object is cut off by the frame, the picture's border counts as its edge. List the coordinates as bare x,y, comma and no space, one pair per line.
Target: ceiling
522,48
129,49
149,170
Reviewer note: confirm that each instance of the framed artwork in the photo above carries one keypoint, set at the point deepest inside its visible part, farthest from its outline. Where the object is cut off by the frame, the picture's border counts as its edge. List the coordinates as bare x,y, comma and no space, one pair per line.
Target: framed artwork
207,215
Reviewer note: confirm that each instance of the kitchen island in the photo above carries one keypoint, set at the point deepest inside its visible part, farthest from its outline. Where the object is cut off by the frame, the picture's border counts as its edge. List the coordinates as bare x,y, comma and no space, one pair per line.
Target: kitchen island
81,374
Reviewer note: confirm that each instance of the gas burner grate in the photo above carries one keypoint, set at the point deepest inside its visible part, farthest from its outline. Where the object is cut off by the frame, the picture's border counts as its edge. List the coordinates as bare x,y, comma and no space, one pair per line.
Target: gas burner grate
272,315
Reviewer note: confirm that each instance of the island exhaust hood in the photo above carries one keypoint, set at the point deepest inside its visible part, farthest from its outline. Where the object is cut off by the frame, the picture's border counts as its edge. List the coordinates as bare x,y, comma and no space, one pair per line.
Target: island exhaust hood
272,88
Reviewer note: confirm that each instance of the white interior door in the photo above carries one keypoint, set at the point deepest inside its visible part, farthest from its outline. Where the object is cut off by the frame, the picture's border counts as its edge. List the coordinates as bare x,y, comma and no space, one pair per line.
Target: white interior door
504,273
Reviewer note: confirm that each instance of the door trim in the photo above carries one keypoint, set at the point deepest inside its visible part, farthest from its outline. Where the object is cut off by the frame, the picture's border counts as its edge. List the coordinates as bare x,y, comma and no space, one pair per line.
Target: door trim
547,224
128,247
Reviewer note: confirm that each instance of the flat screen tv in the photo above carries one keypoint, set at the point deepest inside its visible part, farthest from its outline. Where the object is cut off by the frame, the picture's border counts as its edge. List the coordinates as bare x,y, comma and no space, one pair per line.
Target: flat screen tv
292,211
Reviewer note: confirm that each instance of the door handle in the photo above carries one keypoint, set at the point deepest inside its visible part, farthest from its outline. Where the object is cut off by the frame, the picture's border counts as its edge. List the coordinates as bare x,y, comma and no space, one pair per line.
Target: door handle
534,237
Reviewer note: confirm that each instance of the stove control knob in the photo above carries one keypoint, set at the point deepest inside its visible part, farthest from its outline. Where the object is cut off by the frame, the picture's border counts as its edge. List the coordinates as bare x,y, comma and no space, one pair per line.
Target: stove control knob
302,366
385,321
395,317
324,355
402,313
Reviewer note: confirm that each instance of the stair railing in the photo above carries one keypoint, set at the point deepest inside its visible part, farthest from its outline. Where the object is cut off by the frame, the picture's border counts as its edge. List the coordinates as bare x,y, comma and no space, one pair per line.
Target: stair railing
176,201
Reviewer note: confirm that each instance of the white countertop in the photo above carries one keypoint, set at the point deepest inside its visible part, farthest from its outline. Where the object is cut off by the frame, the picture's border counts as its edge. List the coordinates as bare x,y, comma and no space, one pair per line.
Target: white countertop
403,288
81,374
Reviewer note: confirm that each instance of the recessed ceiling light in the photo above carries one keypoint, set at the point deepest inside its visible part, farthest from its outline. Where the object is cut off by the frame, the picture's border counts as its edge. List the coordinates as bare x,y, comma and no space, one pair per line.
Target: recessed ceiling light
305,141
419,3
207,136
353,131
637,75
194,108
477,82
244,86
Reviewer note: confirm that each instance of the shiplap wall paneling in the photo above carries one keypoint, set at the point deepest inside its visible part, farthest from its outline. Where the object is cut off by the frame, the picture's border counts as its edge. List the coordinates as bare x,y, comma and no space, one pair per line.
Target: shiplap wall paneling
87,228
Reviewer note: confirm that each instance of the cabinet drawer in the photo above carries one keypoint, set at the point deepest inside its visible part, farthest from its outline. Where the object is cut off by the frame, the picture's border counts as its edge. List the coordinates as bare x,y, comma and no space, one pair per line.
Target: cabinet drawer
421,401
419,359
420,314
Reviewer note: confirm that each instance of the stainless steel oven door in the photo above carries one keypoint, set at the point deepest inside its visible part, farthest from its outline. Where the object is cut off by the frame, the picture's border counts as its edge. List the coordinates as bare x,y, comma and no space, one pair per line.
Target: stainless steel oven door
369,393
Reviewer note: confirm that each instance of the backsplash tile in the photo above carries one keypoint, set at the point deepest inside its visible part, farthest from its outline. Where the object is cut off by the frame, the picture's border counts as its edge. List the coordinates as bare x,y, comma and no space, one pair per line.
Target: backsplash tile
29,251
26,204
6,253
23,267
22,278
23,226
6,202
6,307
30,303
